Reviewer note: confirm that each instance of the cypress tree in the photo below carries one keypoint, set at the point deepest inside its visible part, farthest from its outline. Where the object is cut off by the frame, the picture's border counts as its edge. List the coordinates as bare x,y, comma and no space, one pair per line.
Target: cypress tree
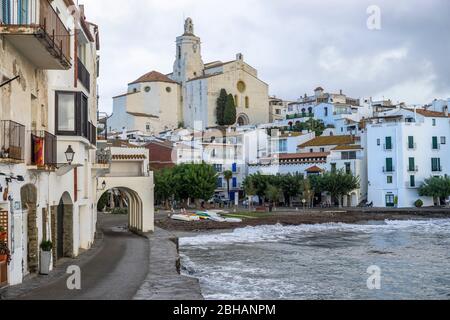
230,111
220,110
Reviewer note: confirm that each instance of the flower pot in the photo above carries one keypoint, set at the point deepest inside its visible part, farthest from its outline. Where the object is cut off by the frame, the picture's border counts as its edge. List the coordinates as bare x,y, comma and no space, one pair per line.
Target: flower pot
45,262
3,236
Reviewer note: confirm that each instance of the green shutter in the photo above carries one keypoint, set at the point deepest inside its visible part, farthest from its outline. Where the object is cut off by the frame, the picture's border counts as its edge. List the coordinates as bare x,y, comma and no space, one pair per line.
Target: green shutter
411,142
412,164
388,143
412,181
389,164
435,142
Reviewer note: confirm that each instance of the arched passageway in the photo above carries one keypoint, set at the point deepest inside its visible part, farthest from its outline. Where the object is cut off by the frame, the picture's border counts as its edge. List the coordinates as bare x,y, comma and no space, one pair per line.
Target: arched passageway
62,227
139,199
28,196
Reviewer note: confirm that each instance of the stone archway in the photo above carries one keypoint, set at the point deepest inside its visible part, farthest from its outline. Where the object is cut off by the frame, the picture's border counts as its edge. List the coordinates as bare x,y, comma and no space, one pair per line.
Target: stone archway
28,196
62,228
139,192
243,120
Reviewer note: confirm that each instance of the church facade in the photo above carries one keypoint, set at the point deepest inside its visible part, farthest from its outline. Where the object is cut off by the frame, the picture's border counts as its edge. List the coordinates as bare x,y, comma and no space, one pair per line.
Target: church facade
188,96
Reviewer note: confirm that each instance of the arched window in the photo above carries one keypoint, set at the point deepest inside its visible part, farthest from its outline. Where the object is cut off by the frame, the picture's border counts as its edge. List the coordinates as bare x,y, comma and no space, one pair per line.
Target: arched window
310,110
236,100
247,102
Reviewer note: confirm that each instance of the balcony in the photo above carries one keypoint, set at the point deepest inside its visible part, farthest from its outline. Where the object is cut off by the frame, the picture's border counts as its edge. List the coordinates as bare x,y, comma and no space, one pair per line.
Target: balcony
12,142
412,146
436,169
413,168
388,169
43,150
387,147
435,146
35,29
83,75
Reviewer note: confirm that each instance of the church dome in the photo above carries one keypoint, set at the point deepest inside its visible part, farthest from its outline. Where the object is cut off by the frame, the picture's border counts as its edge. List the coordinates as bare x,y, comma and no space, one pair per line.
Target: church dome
153,76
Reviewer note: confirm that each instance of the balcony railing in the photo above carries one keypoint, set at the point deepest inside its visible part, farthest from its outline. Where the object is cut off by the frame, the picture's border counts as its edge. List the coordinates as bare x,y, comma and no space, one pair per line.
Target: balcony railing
83,75
436,169
37,18
388,169
387,147
412,147
413,168
103,156
43,149
12,140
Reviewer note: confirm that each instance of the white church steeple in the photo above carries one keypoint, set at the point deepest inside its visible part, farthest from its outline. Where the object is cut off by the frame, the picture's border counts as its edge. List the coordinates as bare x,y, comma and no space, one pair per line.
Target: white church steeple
188,62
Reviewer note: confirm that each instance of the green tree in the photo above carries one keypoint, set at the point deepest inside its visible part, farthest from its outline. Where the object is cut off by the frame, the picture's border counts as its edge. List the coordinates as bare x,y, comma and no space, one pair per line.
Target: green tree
290,185
164,186
250,191
228,175
220,109
308,191
273,193
436,187
338,184
229,116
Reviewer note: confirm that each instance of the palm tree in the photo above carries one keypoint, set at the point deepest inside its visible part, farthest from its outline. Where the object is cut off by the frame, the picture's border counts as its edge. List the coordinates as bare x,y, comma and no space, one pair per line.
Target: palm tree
228,175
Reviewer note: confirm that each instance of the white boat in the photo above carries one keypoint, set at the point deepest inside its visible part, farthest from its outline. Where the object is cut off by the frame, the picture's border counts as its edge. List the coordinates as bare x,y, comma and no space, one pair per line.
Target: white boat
217,219
184,217
233,220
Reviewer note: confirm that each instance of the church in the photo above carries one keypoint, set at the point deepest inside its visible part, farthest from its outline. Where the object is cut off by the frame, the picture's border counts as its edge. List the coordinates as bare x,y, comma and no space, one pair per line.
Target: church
187,97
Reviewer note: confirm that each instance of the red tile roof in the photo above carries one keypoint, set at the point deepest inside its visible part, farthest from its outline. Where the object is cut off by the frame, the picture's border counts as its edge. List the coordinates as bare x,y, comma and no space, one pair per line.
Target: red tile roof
153,76
128,157
429,113
313,169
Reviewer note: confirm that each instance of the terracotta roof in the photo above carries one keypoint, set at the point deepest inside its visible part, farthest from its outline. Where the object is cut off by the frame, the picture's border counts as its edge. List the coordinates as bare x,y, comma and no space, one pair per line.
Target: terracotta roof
128,157
314,169
348,147
429,113
328,141
141,114
306,155
153,76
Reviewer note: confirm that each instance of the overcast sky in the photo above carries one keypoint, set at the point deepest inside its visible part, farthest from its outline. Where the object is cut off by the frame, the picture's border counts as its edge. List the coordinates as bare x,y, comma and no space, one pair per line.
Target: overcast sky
296,45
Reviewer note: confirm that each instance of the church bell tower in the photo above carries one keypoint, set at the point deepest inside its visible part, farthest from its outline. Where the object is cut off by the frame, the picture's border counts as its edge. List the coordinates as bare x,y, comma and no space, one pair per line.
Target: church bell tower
188,62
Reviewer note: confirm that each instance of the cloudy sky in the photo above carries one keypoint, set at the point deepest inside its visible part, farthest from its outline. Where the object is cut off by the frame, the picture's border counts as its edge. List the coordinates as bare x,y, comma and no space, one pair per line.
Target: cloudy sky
296,45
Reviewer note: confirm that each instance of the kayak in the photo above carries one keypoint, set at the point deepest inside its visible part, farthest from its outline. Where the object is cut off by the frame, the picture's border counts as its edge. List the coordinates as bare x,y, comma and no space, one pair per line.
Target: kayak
183,217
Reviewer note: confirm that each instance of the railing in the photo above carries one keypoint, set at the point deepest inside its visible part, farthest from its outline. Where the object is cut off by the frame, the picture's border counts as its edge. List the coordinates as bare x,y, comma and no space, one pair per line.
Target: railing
413,168
436,146
299,115
103,156
43,149
412,147
387,170
38,13
83,75
91,134
12,140
436,169
387,147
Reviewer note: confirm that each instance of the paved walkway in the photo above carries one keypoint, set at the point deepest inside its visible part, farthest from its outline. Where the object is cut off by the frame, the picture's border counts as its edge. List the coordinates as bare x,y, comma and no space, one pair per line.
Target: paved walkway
114,269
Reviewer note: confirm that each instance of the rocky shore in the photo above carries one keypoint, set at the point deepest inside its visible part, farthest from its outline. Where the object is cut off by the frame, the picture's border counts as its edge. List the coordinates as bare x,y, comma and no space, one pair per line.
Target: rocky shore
301,217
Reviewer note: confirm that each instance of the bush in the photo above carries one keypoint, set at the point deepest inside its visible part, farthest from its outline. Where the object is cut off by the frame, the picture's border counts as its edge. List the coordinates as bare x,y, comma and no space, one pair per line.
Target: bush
46,245
418,203
119,211
4,250
103,202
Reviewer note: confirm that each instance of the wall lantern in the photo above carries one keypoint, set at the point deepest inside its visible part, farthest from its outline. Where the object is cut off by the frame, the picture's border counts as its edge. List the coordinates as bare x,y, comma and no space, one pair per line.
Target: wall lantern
69,154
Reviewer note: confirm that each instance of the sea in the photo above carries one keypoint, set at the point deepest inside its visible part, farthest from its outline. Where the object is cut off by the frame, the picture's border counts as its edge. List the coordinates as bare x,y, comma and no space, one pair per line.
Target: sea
375,260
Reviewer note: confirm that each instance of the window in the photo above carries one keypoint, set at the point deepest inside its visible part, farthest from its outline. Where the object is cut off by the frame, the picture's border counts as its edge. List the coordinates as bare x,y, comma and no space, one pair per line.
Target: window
389,167
326,111
378,142
168,89
433,121
147,127
388,143
219,183
6,9
218,167
247,102
333,167
347,168
147,89
410,142
277,111
411,164
236,100
412,181
435,164
443,140
234,182
390,200
435,143
348,155
282,145
23,11
65,104
311,150
241,86
389,179
234,167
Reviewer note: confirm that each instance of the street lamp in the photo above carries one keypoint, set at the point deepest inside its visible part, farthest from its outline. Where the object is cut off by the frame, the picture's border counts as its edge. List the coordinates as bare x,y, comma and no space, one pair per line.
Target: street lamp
69,154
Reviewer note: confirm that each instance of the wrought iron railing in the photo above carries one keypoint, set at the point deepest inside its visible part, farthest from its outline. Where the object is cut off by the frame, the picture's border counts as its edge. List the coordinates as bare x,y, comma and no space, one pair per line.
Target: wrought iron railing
43,148
41,14
12,140
103,156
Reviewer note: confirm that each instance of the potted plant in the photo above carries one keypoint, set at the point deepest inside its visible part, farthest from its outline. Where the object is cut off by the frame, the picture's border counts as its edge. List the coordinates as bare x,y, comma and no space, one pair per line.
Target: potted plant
45,257
5,254
3,234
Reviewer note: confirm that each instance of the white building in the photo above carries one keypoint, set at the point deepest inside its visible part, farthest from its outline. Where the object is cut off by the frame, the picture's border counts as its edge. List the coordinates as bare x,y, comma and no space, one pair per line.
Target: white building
405,147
